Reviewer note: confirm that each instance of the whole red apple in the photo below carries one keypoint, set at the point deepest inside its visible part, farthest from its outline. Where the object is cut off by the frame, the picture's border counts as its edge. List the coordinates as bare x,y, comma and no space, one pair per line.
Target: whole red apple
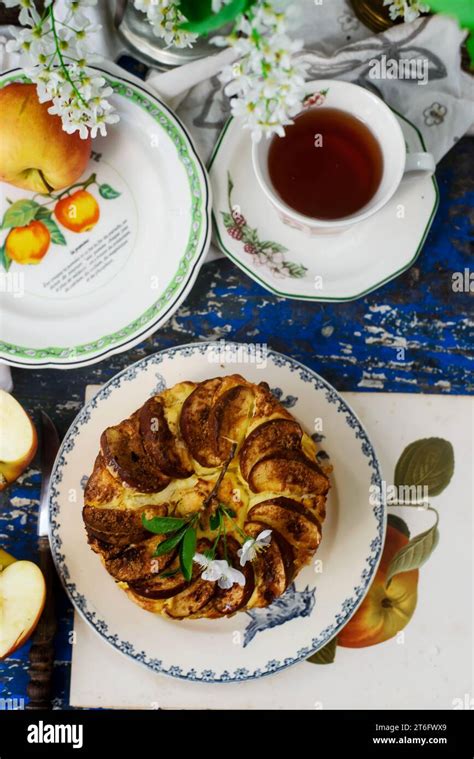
35,152
384,611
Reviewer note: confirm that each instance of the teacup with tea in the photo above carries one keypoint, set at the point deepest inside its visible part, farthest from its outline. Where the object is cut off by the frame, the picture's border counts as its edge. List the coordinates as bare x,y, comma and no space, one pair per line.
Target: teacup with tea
340,162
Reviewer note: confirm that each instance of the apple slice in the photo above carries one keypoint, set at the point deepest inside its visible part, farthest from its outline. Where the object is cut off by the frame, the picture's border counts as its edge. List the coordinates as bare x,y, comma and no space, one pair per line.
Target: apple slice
197,592
126,458
267,405
269,567
229,418
228,601
294,473
137,562
18,439
160,588
294,522
194,422
120,527
269,439
160,444
22,598
102,487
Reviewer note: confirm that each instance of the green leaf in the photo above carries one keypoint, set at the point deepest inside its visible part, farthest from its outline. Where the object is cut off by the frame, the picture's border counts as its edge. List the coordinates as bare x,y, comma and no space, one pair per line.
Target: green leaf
415,553
188,549
426,463
325,655
227,218
463,10
230,184
297,271
43,213
169,544
250,235
162,525
398,524
5,260
20,214
215,520
227,510
212,21
56,235
108,192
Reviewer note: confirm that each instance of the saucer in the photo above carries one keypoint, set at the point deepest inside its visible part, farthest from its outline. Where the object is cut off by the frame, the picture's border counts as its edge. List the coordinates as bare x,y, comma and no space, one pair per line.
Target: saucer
327,267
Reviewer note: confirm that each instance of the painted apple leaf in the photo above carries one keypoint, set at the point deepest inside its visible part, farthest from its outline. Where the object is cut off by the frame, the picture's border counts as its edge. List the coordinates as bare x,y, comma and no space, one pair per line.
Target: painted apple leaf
56,235
415,553
5,260
186,554
426,463
43,213
398,524
325,655
108,192
20,214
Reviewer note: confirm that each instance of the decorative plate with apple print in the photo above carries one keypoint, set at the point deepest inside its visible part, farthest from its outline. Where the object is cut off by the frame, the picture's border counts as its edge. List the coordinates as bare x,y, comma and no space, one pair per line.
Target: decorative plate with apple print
95,268
323,596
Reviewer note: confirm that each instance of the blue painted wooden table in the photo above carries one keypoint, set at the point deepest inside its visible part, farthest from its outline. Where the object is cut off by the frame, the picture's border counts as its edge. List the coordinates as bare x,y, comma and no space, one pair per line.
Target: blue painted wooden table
415,334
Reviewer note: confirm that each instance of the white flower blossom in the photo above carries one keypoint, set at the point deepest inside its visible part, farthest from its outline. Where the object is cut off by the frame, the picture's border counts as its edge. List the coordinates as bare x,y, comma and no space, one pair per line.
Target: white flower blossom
165,19
267,83
56,45
220,571
409,10
253,546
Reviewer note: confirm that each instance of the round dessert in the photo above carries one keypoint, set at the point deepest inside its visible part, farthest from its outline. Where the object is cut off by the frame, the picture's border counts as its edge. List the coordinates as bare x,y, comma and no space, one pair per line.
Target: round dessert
206,501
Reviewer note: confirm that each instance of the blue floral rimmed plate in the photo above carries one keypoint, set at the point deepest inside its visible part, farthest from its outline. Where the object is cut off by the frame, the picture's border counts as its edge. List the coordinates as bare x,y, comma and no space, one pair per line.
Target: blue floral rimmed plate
324,595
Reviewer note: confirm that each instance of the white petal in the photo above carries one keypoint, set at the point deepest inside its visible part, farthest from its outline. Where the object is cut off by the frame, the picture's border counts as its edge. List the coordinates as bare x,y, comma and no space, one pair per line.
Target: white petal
200,559
264,538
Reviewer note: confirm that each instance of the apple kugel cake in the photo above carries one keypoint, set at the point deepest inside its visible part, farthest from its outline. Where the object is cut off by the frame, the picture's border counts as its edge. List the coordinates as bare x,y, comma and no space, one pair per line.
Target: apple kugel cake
207,500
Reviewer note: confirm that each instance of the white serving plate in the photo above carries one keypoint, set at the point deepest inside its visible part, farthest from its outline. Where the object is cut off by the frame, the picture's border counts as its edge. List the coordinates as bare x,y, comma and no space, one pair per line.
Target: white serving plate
247,645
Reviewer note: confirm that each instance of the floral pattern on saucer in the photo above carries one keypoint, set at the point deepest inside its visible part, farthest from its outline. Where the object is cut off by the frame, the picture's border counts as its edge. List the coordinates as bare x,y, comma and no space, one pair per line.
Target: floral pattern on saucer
264,252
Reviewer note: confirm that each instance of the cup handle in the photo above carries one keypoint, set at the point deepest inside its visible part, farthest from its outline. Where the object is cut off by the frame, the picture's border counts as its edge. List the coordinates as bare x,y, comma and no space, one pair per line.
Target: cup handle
418,165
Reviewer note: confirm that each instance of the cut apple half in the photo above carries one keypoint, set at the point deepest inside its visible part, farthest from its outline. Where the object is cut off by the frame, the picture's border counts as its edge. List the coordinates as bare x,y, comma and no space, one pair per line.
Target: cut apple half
18,439
22,598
